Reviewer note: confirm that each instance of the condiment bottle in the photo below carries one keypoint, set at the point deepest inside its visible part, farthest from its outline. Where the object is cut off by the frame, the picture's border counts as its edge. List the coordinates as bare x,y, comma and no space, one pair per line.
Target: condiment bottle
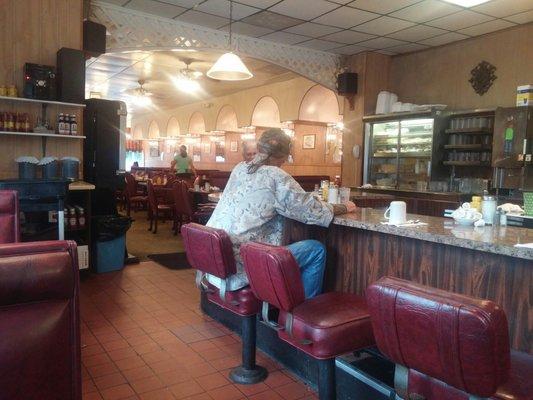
26,123
3,90
73,125
72,220
12,91
333,194
476,203
81,217
325,190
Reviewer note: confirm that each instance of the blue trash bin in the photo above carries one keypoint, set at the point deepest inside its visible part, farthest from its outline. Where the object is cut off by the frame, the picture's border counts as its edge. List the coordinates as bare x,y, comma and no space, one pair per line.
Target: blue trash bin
110,254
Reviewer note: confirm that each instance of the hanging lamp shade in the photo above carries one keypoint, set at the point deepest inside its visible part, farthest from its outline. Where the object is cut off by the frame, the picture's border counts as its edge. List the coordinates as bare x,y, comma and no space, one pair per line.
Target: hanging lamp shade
229,67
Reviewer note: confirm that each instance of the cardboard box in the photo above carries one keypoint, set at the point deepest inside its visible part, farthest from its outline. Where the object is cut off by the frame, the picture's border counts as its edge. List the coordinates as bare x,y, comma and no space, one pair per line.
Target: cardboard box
524,95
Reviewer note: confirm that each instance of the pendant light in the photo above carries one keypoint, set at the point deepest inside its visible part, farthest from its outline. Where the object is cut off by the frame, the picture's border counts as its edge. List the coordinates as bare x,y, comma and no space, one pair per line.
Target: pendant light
229,67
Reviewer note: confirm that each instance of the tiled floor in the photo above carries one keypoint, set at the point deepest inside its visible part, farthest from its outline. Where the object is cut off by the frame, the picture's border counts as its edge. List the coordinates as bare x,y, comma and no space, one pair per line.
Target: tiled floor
144,337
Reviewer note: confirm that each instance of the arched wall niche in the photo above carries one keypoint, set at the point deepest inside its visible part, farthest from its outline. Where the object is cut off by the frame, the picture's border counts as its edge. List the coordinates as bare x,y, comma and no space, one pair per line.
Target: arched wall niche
153,130
266,113
173,127
196,124
319,104
227,119
138,132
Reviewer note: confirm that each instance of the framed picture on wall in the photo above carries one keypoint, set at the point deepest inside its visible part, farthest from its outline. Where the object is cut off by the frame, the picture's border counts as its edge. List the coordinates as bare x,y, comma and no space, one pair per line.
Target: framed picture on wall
196,153
308,141
233,147
207,148
154,149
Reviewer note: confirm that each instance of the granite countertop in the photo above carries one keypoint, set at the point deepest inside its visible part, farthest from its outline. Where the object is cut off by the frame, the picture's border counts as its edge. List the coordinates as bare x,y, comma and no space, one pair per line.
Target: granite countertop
497,240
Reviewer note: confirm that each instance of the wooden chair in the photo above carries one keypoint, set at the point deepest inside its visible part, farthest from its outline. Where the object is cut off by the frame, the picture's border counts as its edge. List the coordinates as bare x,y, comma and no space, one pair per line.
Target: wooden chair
183,206
132,196
159,206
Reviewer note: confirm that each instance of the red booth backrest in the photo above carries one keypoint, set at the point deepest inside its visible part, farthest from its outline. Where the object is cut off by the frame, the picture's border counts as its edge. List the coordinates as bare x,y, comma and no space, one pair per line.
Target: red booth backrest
39,321
9,216
209,250
273,274
459,340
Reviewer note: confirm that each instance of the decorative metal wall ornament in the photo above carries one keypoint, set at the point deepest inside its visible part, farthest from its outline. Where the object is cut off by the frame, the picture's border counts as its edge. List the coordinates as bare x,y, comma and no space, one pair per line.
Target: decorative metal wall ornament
130,30
482,77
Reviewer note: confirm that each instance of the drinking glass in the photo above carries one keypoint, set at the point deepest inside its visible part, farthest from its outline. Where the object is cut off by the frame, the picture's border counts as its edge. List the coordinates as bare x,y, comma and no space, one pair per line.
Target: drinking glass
344,194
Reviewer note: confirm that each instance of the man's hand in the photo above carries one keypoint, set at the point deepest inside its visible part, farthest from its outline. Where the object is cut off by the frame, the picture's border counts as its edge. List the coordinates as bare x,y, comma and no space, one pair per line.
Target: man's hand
344,208
350,206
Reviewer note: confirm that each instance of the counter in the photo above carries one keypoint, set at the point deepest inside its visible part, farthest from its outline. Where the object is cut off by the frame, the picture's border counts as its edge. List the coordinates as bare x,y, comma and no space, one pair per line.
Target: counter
480,262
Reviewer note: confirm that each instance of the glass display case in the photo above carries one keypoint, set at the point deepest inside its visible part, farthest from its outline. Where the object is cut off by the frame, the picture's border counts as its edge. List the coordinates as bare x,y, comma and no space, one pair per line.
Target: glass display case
398,153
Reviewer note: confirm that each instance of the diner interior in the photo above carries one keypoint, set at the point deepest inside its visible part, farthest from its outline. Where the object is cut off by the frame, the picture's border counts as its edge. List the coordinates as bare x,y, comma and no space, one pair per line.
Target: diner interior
266,199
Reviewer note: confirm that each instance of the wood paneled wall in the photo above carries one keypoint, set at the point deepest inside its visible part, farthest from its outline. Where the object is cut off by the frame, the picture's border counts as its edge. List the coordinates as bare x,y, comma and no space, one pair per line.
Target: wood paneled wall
440,75
33,31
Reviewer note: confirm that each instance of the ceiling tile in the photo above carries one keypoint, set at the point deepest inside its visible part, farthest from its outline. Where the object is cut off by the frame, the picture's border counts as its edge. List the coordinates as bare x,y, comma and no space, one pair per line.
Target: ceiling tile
183,3
387,52
221,8
203,19
349,50
504,8
444,39
259,3
284,37
117,2
270,20
417,33
346,17
521,18
312,29
486,27
340,2
155,8
302,9
381,43
383,25
318,44
408,47
348,37
426,11
460,20
382,6
242,28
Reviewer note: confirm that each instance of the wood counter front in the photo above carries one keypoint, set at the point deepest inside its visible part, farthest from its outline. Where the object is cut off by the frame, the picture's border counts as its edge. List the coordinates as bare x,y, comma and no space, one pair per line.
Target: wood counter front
478,263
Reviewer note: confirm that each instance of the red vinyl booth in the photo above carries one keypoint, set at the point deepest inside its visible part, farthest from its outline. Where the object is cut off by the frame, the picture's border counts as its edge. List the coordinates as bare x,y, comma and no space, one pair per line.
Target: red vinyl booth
9,216
446,346
210,251
324,327
39,321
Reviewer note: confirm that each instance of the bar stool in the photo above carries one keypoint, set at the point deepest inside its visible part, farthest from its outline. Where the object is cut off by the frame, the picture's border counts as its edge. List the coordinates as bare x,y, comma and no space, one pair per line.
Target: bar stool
210,251
446,346
324,327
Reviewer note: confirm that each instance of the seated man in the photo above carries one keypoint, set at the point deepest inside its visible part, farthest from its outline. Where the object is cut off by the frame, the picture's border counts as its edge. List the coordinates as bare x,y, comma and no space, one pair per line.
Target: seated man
256,200
249,150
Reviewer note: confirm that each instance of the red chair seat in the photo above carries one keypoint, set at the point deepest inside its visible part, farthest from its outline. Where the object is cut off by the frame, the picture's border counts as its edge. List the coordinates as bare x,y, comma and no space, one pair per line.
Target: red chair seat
241,302
519,386
335,323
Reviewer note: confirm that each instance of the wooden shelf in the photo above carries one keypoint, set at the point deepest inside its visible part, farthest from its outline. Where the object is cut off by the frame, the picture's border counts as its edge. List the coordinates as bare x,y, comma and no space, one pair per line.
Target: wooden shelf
404,155
471,147
470,131
53,135
467,163
42,102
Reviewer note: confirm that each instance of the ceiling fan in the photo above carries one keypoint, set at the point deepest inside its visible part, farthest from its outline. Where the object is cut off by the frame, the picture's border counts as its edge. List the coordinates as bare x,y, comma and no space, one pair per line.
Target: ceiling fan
187,78
140,96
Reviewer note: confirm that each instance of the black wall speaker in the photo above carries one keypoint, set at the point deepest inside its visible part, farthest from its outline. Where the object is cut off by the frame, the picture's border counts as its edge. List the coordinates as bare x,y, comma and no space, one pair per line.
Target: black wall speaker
94,38
347,83
71,75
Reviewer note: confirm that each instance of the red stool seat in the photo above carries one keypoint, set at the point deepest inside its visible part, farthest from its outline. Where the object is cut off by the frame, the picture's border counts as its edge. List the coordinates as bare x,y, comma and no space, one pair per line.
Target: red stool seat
446,345
241,302
334,323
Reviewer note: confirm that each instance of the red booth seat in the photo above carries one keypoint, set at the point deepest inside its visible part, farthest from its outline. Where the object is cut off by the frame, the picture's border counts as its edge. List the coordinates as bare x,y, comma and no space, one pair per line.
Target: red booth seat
9,216
39,321
451,346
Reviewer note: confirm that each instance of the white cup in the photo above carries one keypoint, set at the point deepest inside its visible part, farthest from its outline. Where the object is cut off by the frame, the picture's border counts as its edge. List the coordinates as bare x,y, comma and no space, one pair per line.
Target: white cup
397,213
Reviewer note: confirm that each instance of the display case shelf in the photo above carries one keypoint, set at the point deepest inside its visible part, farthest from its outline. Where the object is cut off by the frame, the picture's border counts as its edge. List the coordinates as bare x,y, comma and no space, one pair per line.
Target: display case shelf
469,147
470,131
42,102
405,155
467,163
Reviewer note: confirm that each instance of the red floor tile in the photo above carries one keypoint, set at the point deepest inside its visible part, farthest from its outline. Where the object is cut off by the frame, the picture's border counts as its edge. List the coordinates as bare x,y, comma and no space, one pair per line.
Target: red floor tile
118,392
108,381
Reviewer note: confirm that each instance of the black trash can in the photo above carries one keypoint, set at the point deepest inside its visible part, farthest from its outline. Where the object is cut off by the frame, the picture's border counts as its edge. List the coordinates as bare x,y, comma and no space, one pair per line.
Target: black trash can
110,242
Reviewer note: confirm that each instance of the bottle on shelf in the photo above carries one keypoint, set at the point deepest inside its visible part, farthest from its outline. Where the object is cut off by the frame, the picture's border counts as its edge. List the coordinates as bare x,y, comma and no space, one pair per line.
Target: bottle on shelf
2,117
73,126
26,123
3,90
10,122
19,125
61,124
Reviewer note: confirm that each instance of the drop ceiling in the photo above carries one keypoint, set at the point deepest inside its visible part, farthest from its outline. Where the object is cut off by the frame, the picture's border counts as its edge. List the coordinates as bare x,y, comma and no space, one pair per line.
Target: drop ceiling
346,27
116,75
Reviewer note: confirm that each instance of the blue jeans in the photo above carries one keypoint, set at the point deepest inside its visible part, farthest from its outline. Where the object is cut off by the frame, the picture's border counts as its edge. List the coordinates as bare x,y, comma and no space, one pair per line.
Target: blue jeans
311,257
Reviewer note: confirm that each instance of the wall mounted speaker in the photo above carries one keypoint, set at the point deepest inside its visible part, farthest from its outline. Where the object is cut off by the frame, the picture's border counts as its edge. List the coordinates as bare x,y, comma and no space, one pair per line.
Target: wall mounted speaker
71,75
347,83
94,38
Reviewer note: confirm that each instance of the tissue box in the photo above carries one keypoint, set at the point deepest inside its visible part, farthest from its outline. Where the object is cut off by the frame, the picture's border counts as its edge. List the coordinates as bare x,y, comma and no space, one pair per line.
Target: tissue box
524,95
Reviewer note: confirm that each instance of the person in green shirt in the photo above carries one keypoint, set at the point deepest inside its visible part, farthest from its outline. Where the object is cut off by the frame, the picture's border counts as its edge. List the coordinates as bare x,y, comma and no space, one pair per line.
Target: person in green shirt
182,163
